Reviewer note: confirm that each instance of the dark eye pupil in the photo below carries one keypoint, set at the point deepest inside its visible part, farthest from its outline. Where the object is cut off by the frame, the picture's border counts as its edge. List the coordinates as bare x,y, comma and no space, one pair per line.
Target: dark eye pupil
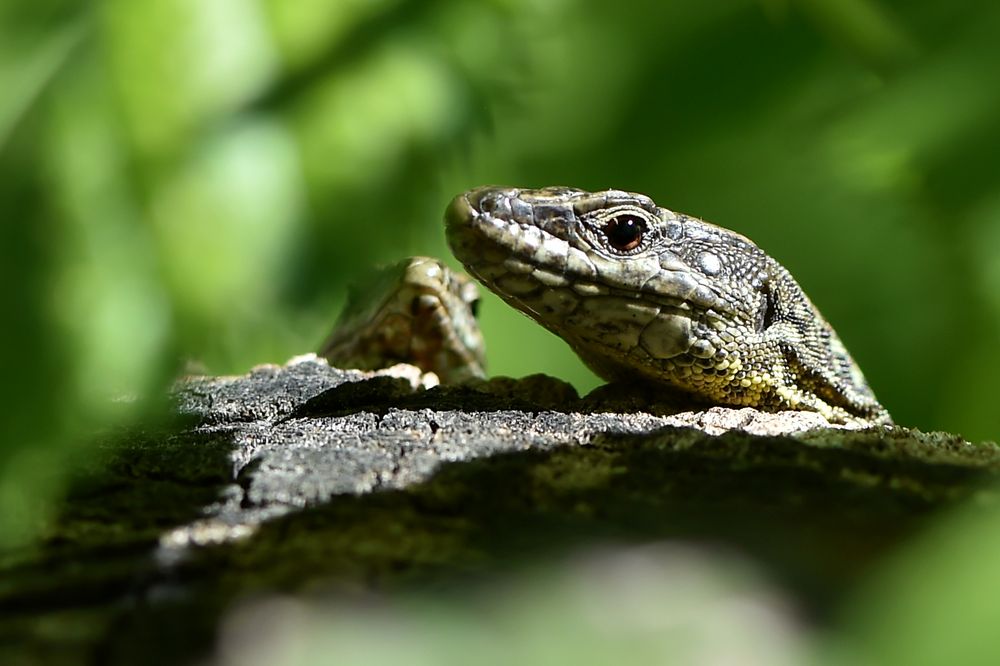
625,232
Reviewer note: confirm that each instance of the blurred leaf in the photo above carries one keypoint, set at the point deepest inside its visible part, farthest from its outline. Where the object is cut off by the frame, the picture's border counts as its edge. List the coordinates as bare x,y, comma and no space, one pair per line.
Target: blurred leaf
111,311
936,603
225,221
181,64
660,604
27,68
865,28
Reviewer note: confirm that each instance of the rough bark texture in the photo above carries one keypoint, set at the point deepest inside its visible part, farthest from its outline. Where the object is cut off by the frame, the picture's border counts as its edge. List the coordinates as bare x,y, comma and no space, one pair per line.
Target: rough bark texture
305,477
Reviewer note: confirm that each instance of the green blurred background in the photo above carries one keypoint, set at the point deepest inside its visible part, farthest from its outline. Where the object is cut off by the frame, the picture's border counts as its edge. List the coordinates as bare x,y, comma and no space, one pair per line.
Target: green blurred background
198,180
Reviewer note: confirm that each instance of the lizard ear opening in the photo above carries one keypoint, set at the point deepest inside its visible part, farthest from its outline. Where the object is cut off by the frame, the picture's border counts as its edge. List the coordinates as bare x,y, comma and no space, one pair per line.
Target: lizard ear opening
767,314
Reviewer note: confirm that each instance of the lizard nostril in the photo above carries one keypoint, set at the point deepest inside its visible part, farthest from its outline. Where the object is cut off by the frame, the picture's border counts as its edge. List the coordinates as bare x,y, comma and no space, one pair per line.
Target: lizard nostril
489,203
493,201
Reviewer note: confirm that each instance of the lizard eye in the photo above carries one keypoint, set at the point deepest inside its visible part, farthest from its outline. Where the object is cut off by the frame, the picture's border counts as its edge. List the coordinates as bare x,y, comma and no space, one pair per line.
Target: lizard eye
625,232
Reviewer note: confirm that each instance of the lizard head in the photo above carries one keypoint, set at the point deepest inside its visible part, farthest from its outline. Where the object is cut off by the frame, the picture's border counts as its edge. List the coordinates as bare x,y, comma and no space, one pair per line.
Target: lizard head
627,283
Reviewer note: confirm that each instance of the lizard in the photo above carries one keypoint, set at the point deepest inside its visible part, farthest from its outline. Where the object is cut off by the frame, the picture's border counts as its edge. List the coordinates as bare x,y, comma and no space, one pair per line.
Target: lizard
415,311
647,295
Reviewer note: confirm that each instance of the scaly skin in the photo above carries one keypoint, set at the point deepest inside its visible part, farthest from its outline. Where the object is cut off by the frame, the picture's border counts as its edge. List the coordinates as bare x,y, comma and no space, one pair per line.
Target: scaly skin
416,311
643,293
